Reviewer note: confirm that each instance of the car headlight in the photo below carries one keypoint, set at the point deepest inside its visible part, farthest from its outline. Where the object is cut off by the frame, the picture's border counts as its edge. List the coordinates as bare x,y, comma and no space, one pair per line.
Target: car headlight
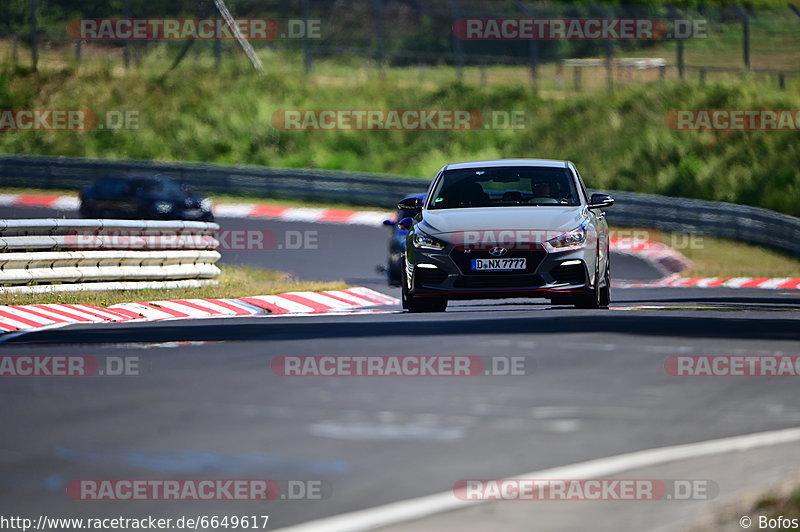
206,204
572,239
163,207
423,241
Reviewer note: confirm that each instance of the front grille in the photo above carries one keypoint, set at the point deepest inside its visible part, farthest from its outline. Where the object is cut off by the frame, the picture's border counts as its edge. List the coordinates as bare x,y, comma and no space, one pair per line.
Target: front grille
572,274
430,275
499,281
462,258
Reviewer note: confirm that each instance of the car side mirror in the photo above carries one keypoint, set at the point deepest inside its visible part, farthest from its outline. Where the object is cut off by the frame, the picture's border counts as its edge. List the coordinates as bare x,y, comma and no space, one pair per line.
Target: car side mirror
600,201
406,223
410,204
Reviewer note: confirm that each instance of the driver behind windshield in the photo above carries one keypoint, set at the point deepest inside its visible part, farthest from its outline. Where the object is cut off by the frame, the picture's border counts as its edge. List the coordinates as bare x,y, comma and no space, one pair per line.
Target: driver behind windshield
508,187
542,191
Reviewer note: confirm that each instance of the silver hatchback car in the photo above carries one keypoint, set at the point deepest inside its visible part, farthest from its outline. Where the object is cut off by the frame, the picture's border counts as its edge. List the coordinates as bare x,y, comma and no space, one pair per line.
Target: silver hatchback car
507,228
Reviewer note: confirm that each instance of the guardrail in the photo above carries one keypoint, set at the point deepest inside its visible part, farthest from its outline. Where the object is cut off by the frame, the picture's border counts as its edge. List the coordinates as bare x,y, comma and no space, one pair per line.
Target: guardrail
329,185
744,223
76,255
725,220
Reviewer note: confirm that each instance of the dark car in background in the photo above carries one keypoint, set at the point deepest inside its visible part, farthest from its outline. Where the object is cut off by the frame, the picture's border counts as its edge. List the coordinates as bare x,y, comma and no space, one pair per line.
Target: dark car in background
397,240
146,198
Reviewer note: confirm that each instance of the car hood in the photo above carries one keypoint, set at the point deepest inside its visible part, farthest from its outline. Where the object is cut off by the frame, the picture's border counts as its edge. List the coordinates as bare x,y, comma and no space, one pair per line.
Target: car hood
550,219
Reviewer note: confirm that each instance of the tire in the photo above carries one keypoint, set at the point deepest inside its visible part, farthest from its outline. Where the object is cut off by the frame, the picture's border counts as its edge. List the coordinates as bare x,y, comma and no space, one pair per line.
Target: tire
419,304
605,291
393,274
594,297
589,300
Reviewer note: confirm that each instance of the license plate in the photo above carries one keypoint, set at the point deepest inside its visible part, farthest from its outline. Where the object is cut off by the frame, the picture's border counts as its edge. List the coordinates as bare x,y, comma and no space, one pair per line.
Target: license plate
498,265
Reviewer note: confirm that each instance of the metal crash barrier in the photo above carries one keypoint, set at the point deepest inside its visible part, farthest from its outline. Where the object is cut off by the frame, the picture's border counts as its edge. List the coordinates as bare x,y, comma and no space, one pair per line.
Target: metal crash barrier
753,225
76,255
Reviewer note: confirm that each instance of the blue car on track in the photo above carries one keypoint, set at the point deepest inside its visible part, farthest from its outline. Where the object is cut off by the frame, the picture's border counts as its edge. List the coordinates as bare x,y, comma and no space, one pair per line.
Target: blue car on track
397,240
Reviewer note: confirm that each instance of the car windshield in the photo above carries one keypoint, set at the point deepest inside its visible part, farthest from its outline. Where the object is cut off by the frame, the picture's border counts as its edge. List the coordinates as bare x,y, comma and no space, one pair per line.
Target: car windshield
112,188
508,186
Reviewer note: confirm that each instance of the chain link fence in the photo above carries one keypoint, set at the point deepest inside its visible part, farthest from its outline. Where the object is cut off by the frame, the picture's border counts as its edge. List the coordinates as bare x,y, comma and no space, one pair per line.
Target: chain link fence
378,35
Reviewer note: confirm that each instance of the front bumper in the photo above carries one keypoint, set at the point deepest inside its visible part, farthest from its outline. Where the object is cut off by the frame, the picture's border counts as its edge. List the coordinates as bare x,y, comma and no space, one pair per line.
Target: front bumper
548,275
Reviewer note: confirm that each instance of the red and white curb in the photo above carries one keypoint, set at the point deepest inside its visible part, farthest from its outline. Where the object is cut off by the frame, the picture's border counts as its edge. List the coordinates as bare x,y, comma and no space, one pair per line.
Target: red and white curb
25,317
777,283
663,257
48,201
222,210
298,214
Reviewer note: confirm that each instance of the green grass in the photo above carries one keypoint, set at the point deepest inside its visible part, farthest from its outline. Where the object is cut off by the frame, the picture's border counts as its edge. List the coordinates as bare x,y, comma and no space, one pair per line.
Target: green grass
724,258
618,139
776,506
48,191
235,281
218,198
773,43
717,257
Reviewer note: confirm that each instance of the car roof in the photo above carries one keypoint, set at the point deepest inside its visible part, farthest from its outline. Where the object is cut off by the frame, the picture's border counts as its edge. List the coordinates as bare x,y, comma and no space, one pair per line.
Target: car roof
137,180
551,163
141,179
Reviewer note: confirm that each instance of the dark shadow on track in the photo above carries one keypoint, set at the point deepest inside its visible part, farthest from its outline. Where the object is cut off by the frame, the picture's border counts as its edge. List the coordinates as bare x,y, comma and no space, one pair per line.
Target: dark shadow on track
745,302
456,323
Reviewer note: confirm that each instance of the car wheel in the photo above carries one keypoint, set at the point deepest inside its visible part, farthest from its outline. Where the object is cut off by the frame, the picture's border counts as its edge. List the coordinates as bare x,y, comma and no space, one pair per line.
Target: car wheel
419,304
393,273
605,291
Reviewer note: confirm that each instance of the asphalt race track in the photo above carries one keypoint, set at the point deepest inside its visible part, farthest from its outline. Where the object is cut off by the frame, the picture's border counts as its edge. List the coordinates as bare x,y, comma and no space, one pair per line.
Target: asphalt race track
206,403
